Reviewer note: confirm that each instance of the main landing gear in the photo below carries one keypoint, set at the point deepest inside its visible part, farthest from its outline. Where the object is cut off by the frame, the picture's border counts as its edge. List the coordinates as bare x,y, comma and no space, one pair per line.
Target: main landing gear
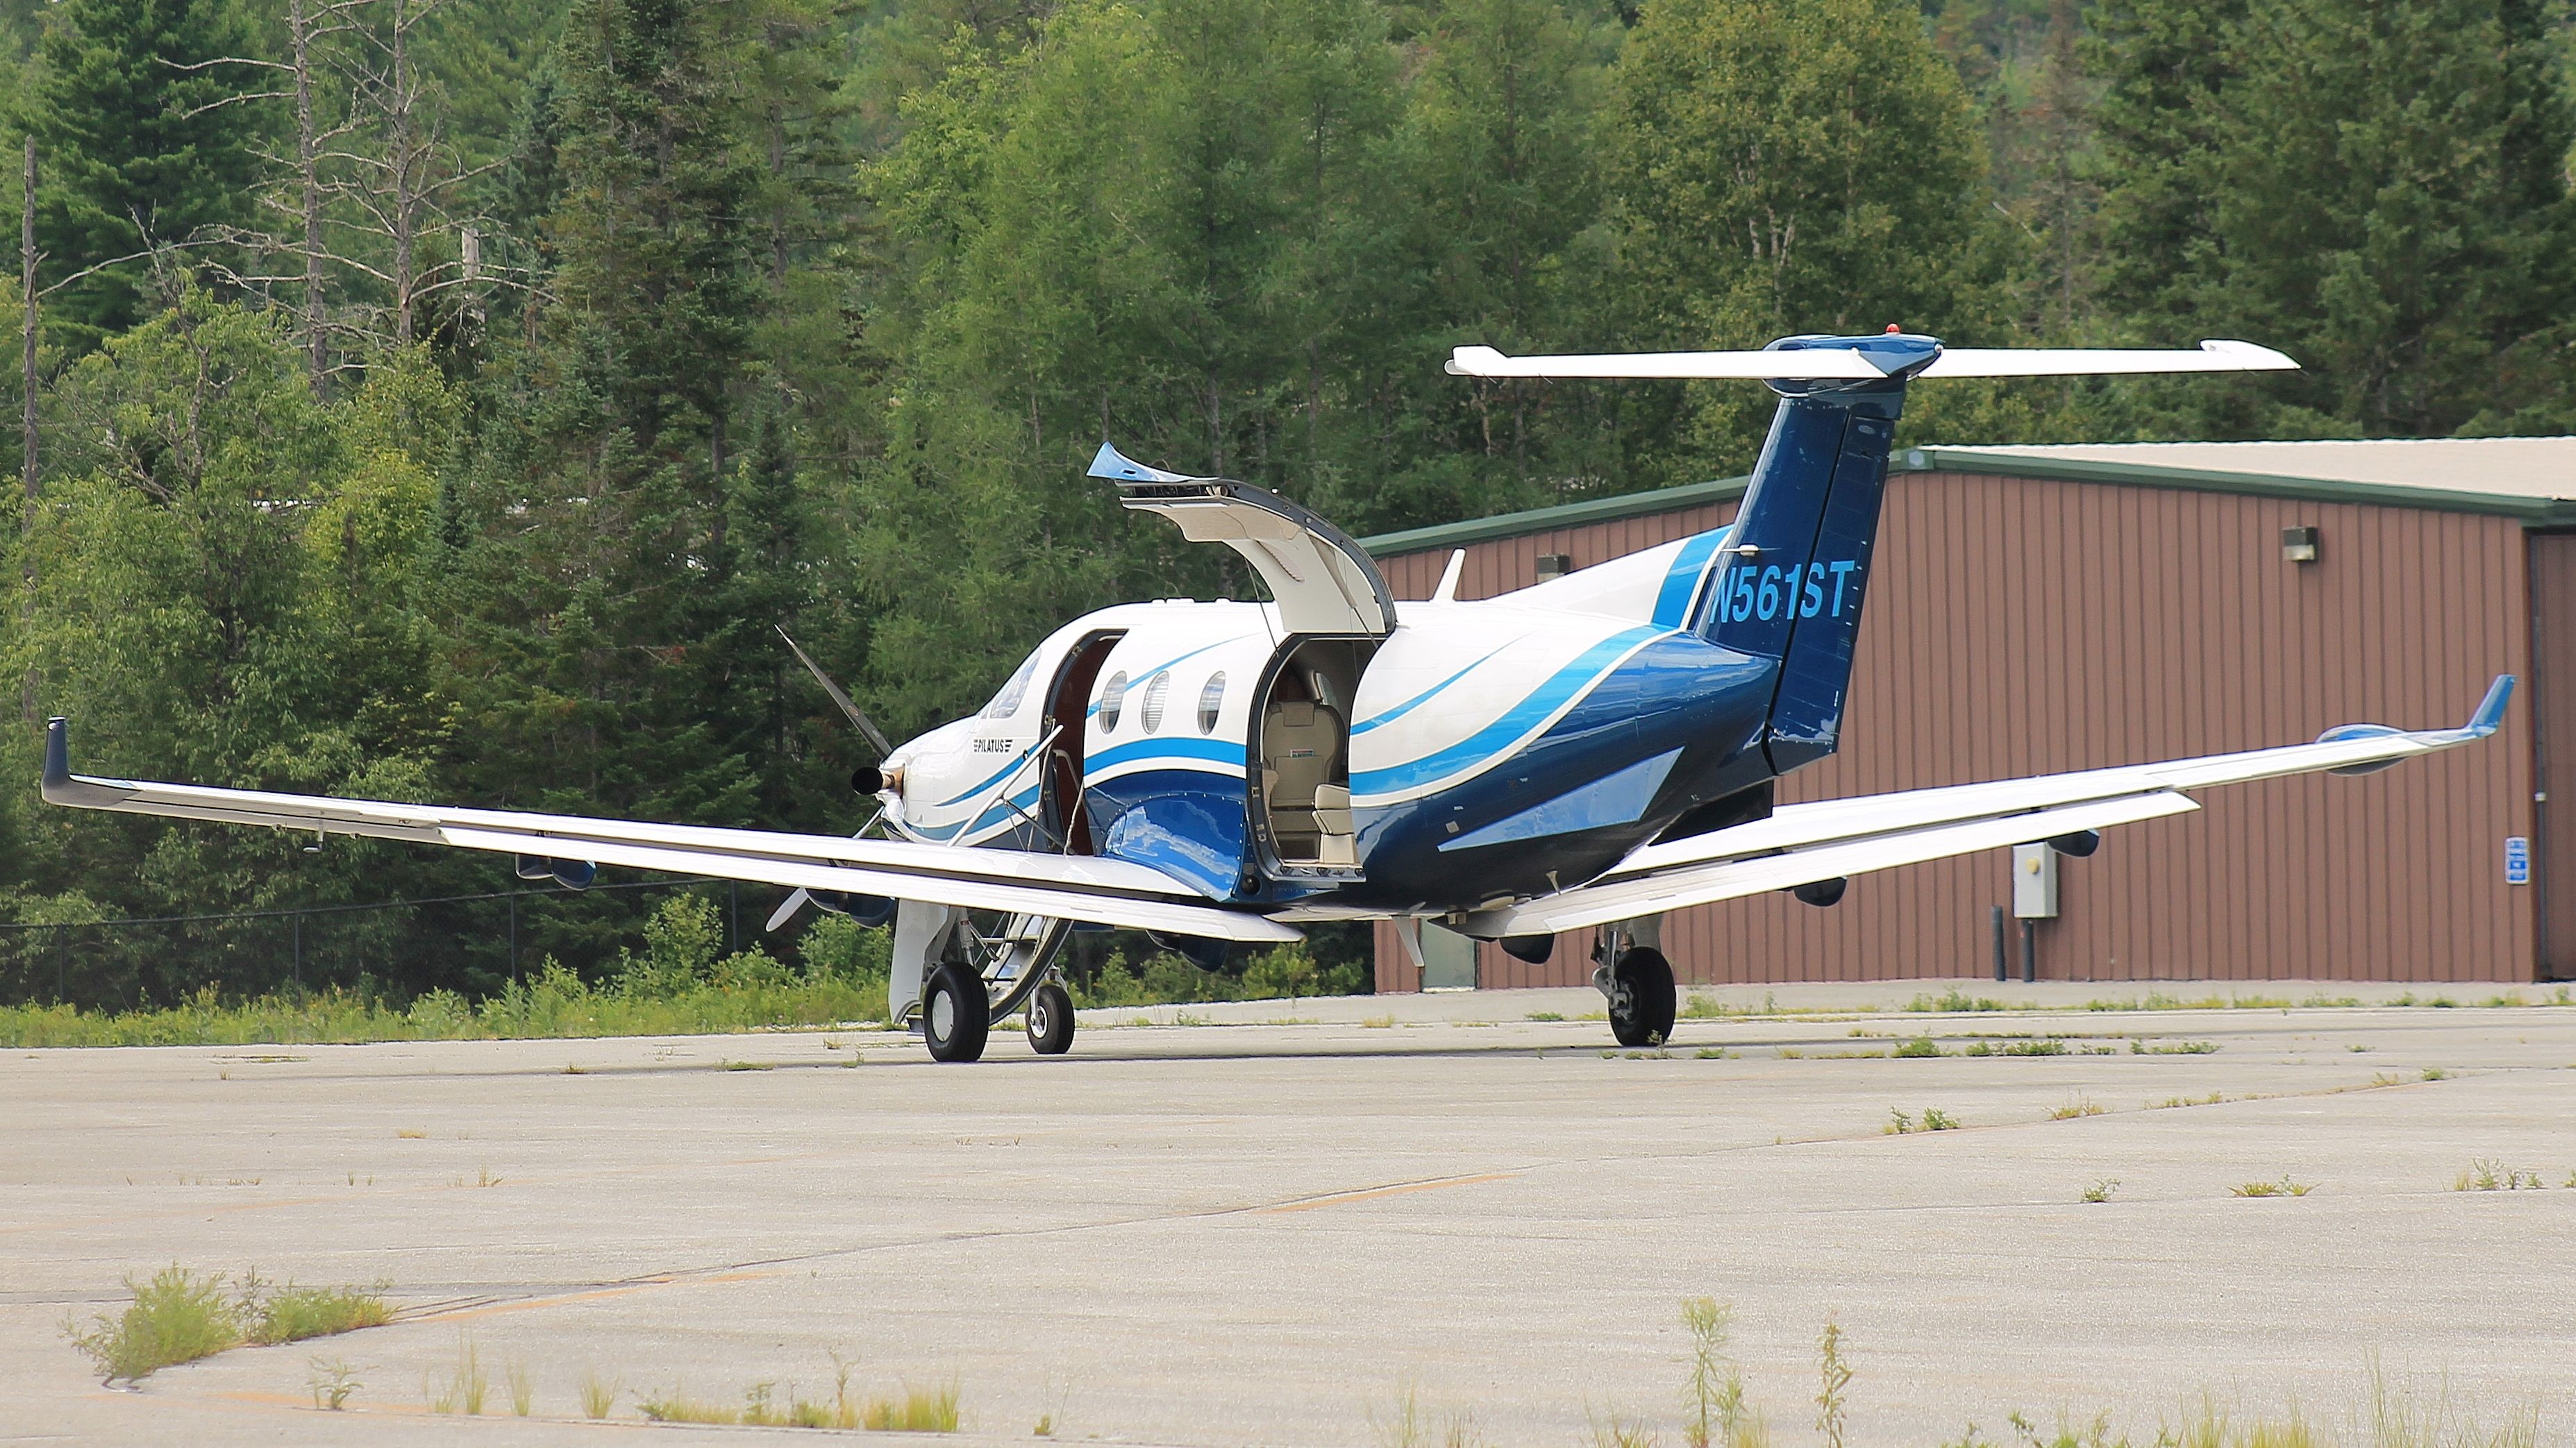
1637,981
984,977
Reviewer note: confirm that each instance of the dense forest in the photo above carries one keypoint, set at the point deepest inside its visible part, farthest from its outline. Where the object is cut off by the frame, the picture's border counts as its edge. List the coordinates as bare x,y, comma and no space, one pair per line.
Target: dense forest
445,398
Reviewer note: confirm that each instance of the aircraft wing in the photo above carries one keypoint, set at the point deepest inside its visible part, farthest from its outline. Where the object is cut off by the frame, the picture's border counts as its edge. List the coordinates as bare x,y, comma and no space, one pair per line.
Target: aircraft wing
1804,843
1070,887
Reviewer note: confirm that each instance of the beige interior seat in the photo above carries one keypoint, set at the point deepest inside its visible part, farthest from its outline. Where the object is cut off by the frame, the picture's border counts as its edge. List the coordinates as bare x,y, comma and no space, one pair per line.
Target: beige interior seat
1301,751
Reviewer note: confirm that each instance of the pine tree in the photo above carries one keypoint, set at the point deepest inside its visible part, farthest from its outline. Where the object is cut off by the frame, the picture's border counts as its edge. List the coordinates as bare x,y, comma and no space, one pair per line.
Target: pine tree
1783,166
143,144
2375,188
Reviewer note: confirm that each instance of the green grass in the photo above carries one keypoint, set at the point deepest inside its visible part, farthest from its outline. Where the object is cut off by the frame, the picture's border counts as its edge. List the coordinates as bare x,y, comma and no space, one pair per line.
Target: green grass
1959,1001
1933,1119
2285,1187
1919,1048
179,1316
2075,1106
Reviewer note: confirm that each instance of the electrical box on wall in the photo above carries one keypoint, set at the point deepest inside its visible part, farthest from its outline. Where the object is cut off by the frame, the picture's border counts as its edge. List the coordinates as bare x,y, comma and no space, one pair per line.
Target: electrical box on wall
2034,876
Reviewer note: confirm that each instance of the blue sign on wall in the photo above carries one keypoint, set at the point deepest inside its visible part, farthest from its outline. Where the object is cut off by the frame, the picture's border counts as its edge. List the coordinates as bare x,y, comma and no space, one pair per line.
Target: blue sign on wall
2517,860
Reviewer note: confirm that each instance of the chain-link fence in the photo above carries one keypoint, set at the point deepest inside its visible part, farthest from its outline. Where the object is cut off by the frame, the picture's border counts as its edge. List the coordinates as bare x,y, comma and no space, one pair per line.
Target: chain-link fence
469,943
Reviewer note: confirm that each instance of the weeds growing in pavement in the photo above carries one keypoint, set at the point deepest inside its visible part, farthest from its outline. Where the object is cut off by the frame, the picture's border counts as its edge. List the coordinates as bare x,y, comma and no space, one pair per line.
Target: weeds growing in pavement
1955,1001
2285,1187
1407,1424
2486,1174
1835,1375
1617,1432
332,1382
2076,1106
914,1410
523,1388
180,1316
1933,1119
598,1395
1919,1048
467,1384
1717,1414
2101,1191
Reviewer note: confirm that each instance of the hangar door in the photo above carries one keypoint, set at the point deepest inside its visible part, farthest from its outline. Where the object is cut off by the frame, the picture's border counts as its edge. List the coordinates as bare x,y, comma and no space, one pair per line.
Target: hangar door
2553,714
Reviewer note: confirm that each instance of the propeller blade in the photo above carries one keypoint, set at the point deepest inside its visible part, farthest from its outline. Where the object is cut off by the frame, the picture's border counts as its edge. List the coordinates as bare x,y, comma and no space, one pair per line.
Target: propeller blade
867,727
787,909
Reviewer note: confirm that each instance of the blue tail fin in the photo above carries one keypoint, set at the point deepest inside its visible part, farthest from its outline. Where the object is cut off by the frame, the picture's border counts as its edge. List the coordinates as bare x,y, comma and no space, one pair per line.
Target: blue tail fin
1803,539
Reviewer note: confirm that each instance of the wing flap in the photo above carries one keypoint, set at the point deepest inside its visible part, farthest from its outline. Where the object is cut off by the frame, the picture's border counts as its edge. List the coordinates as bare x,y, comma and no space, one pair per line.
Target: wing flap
967,892
1706,884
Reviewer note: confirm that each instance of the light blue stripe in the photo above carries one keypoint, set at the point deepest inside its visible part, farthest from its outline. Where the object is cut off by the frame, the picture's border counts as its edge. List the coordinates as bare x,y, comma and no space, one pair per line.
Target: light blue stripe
1218,751
1672,604
1409,705
1520,719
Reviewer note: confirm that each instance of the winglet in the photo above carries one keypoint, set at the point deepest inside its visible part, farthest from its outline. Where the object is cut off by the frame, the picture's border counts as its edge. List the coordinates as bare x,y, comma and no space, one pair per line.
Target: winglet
60,786
2490,715
1110,463
58,757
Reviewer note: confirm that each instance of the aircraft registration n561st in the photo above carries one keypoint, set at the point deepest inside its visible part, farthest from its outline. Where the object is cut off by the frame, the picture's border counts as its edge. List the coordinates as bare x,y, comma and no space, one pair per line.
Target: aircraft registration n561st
1588,753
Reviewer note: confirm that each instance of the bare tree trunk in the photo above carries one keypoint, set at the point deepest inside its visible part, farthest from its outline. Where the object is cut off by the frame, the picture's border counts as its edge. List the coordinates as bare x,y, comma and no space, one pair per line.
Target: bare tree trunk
27,339
317,359
406,196
27,471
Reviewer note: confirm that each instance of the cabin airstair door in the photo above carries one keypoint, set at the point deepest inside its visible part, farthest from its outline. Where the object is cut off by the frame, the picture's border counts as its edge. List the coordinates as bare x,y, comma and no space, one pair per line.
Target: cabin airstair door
1324,582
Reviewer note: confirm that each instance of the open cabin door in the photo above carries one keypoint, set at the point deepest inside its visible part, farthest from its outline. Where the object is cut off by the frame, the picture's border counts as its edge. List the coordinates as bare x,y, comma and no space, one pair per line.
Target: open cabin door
1324,582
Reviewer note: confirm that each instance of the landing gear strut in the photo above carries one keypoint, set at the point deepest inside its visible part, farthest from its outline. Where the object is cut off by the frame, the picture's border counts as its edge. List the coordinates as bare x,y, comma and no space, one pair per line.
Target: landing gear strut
1637,981
1641,998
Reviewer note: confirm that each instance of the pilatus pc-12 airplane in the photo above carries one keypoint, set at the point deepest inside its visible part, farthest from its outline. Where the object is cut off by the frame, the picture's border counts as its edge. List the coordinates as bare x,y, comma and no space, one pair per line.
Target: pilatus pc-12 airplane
1584,754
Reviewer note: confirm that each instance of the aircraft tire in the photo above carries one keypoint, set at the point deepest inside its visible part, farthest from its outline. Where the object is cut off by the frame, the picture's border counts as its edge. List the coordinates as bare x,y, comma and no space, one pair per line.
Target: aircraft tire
956,1014
1641,1012
1050,1020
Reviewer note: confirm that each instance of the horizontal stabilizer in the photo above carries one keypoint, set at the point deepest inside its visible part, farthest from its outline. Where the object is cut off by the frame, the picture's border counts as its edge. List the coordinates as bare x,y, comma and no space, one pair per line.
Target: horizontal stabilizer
1823,364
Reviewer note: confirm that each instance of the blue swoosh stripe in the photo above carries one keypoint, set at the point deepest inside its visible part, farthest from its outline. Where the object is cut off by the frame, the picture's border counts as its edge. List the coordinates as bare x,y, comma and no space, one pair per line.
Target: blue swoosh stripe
1519,720
1409,705
1217,751
1672,603
1018,759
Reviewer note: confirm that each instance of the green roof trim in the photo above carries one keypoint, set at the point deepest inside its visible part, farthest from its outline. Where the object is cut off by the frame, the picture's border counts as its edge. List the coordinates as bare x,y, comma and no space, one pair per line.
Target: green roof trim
2533,512
1563,515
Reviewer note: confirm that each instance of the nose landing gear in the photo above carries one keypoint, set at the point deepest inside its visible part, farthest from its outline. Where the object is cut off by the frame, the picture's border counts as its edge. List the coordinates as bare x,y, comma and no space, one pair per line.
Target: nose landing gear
1050,1020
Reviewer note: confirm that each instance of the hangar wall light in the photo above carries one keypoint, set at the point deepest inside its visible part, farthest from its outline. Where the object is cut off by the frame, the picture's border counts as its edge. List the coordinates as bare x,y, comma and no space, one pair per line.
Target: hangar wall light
2299,545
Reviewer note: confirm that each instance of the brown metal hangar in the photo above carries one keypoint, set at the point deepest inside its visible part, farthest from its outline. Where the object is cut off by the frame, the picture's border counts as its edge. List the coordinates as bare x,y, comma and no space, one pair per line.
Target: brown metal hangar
2053,608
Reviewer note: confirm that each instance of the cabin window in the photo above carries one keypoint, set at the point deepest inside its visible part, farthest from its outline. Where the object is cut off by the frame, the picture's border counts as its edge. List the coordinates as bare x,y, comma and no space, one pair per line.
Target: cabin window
1152,713
1113,697
1211,699
1007,703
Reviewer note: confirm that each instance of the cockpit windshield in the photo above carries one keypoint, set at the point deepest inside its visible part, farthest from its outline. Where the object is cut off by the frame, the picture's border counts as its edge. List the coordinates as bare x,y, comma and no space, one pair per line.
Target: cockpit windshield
1007,703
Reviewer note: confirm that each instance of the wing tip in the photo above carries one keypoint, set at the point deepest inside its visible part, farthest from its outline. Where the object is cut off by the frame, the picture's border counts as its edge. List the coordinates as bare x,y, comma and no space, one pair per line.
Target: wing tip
2490,712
